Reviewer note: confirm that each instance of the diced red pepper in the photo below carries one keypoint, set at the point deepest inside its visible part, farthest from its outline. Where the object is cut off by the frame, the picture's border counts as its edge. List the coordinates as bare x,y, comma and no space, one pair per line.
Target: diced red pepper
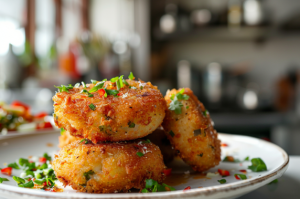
44,125
42,160
243,171
187,188
223,172
41,115
18,103
224,145
45,184
119,94
101,92
167,172
6,171
237,177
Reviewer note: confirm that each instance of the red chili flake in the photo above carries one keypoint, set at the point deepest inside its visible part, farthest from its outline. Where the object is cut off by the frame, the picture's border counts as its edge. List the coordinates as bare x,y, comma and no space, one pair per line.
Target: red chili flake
237,177
223,172
101,92
42,160
224,145
119,94
187,188
243,171
41,115
6,171
167,172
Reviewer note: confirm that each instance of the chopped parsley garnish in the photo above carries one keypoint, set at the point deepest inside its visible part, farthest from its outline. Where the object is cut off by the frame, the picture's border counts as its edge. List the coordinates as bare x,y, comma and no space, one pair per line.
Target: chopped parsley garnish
153,186
83,84
87,174
131,124
94,81
98,86
141,87
230,159
62,130
246,158
90,95
112,92
18,180
119,82
172,133
3,179
63,88
205,113
222,181
23,162
47,156
257,165
146,141
240,176
176,105
86,141
187,107
14,165
130,76
92,106
29,184
140,154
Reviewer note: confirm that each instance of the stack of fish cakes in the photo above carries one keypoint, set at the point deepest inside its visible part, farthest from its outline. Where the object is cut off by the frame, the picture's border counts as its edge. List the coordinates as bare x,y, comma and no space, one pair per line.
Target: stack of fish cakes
107,119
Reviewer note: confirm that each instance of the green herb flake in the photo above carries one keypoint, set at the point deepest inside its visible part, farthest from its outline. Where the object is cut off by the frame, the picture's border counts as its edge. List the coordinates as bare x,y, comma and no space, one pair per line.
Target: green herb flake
18,180
187,107
62,130
94,81
47,156
172,133
90,95
131,124
98,86
153,186
3,179
14,165
88,174
83,84
92,107
64,88
86,141
146,141
131,76
145,190
114,79
241,176
141,87
27,185
140,154
247,158
111,92
222,181
23,162
39,182
257,165
176,105
205,113
125,82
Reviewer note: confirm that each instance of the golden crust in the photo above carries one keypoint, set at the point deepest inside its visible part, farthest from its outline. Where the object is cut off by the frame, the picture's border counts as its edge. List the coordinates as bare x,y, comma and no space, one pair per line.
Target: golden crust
144,107
116,166
66,139
201,151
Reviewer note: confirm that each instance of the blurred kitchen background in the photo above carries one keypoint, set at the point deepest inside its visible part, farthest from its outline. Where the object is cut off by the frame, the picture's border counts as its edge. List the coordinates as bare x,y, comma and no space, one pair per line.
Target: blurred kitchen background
240,57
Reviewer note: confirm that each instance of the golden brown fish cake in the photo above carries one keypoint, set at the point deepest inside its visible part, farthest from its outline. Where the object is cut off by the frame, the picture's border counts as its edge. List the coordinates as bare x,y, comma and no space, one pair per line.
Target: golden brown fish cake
136,112
108,167
66,139
159,138
191,132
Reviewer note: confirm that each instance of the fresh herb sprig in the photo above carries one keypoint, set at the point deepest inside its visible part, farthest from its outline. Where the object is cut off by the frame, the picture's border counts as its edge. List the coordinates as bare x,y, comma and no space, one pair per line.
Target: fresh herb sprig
176,105
154,186
257,165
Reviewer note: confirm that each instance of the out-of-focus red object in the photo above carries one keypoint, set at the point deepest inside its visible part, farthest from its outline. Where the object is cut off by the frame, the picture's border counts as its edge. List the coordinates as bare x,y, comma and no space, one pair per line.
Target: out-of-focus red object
223,172
101,92
20,104
41,115
44,125
187,188
6,171
42,160
168,172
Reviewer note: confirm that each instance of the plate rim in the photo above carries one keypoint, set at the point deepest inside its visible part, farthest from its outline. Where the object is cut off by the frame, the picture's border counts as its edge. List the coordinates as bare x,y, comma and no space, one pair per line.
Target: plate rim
209,191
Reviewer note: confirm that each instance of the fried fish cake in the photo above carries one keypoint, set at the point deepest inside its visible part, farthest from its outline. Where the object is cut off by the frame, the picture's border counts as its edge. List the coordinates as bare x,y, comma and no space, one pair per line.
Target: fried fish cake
66,139
108,167
136,111
190,130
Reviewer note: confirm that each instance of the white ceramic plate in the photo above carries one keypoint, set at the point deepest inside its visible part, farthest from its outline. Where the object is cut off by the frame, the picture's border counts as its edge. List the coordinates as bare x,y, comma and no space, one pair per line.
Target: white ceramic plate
240,147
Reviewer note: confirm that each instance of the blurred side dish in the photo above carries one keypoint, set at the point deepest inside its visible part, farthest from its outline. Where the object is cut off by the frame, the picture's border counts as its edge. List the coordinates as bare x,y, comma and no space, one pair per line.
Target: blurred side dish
17,117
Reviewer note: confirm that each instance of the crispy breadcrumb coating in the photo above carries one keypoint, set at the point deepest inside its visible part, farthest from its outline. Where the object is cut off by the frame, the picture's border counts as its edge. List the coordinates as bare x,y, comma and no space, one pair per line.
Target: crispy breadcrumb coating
191,133
137,111
108,167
